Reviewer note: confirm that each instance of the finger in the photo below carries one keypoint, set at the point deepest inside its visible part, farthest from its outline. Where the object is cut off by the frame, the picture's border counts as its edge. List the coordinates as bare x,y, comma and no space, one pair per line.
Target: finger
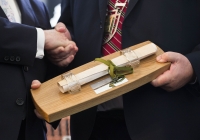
56,51
162,80
70,49
35,84
61,52
65,62
59,55
38,114
167,57
68,44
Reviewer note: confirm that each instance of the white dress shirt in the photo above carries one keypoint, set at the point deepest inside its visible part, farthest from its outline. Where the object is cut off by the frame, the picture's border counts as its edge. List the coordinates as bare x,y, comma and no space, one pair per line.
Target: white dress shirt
40,33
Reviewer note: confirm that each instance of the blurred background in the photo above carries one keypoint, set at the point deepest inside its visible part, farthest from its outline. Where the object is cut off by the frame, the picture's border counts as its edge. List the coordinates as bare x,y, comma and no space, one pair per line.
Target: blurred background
63,130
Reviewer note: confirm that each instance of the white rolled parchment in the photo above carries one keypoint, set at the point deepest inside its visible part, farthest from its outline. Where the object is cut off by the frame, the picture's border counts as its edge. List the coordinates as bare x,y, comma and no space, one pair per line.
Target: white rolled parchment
72,83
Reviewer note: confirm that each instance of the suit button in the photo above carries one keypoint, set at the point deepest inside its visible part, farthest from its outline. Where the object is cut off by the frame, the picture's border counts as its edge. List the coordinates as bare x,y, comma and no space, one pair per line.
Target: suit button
26,68
17,59
20,101
12,58
6,58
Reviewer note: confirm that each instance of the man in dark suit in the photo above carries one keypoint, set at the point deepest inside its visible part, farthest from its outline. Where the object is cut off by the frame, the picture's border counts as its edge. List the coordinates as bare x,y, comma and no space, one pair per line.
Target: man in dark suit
150,112
23,40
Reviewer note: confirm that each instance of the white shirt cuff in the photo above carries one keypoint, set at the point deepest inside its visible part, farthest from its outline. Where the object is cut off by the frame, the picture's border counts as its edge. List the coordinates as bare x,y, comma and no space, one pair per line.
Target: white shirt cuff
40,43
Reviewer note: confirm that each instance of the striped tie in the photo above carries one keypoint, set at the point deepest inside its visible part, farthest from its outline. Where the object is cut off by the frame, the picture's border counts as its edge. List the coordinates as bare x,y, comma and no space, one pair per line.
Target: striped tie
7,10
116,13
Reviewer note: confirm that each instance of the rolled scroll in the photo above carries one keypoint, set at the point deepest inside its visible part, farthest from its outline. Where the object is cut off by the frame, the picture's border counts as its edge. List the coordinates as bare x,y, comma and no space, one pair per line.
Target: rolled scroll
72,83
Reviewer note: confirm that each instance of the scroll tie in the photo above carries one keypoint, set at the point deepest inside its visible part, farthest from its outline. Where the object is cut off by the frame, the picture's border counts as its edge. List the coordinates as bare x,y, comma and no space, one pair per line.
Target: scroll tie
117,73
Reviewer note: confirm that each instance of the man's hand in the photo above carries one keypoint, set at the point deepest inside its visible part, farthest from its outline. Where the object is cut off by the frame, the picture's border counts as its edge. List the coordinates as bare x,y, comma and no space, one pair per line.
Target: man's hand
60,50
60,27
35,85
179,74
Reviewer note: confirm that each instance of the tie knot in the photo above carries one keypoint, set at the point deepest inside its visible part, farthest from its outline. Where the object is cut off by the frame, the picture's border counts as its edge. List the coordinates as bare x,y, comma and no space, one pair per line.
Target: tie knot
113,26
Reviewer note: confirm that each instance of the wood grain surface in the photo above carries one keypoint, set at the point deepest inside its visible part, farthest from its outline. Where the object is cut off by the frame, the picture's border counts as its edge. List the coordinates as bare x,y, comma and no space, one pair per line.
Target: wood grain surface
54,105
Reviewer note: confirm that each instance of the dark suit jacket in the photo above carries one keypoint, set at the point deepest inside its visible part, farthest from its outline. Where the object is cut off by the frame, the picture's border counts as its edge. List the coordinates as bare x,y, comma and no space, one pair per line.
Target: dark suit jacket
150,113
18,67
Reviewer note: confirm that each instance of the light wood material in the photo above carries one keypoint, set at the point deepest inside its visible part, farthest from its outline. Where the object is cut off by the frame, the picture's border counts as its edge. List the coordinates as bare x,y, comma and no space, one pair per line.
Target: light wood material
54,105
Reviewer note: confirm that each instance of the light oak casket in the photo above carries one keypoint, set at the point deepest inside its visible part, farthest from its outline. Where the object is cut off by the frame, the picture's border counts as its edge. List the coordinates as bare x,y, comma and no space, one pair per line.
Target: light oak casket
53,105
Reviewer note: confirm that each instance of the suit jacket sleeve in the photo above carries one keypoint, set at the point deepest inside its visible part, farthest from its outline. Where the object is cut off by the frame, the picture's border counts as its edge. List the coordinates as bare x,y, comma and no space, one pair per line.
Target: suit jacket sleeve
66,16
194,58
18,43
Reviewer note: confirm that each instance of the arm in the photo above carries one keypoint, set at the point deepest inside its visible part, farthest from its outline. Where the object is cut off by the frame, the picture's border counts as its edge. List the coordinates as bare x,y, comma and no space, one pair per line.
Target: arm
18,44
194,58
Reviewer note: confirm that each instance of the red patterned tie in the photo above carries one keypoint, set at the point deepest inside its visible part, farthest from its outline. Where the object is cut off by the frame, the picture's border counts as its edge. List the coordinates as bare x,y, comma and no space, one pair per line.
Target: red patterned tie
112,41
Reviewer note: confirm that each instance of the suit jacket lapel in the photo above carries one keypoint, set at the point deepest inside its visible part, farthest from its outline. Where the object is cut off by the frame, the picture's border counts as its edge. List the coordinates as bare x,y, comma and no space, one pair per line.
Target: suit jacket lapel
131,5
102,9
26,12
2,14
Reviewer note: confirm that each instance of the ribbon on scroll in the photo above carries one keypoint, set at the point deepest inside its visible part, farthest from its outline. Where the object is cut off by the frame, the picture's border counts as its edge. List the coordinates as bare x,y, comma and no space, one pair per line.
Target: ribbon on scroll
72,83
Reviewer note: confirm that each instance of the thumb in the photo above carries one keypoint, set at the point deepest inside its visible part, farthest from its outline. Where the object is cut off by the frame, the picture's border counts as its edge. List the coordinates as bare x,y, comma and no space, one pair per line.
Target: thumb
60,27
167,57
35,84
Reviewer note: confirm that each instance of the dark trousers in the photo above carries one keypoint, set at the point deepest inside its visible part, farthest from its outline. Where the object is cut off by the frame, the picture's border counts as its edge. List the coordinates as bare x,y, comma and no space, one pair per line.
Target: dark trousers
110,125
